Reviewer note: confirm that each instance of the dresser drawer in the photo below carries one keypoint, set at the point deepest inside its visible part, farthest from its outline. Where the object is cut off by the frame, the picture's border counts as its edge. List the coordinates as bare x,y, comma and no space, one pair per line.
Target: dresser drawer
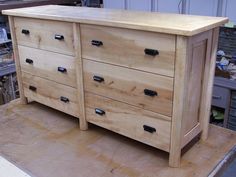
49,65
58,96
48,35
145,90
129,121
220,97
126,47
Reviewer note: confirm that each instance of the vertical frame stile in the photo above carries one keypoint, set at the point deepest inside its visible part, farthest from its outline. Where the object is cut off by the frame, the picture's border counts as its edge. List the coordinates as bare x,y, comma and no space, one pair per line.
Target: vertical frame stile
79,76
23,99
208,83
179,96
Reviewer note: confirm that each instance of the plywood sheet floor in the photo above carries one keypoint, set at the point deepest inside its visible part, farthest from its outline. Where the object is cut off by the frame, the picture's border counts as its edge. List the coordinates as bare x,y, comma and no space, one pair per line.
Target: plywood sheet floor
47,143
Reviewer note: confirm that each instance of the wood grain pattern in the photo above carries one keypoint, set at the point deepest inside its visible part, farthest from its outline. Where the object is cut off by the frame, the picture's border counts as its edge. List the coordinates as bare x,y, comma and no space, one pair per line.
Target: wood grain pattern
207,84
42,35
157,22
180,91
79,76
128,120
180,77
23,99
126,48
197,55
191,134
45,65
49,93
128,86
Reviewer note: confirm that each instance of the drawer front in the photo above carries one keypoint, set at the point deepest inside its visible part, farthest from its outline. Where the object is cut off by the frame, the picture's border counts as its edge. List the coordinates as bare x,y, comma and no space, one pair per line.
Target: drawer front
50,93
129,121
127,48
220,97
48,35
141,89
49,65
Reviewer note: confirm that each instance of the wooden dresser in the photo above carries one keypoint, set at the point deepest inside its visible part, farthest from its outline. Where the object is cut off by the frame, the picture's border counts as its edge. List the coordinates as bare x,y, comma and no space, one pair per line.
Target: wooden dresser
147,76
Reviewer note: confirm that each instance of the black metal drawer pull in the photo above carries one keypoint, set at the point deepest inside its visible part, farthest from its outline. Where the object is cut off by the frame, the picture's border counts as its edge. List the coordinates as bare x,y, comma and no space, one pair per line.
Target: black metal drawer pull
26,32
96,43
64,99
32,88
150,92
151,52
216,97
100,112
59,37
27,60
62,70
98,79
149,129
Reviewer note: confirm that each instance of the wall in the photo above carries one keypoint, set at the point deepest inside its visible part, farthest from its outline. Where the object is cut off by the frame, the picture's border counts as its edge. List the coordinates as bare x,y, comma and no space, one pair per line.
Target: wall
194,7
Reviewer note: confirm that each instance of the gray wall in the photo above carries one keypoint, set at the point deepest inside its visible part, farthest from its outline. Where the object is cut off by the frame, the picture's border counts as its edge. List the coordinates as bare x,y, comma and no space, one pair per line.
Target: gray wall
195,7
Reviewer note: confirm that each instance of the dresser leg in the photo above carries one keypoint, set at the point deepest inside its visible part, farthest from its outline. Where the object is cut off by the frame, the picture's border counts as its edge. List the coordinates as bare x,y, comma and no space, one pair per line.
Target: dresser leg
83,124
23,100
174,159
208,85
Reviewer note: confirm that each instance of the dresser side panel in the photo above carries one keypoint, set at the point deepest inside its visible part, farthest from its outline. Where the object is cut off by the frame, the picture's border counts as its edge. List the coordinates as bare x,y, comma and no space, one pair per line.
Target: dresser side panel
198,54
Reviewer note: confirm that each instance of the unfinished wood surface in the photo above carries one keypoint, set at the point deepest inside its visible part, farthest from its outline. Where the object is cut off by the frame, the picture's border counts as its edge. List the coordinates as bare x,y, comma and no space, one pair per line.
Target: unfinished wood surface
45,64
186,138
17,60
79,76
50,93
126,48
197,54
44,134
129,86
157,67
182,48
42,35
158,22
193,96
128,120
207,84
199,50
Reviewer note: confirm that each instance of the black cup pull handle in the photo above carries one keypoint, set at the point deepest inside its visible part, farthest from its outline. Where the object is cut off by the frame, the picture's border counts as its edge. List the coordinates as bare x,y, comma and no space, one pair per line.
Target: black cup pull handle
149,129
33,88
25,31
64,99
59,37
96,43
98,79
100,112
151,52
151,93
27,60
62,70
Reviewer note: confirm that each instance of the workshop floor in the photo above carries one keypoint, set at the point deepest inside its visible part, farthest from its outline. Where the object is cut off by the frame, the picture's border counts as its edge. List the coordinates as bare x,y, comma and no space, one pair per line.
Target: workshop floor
47,143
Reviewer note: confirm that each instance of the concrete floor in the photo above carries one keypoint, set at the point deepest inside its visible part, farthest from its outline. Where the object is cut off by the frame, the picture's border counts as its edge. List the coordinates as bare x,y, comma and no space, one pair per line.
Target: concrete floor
47,143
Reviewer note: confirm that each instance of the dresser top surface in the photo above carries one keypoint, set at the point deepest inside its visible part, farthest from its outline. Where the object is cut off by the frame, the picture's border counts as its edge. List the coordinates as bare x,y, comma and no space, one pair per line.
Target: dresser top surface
187,25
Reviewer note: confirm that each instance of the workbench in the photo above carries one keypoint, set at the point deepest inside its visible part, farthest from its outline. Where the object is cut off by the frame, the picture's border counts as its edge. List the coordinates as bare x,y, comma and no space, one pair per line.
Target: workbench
45,142
147,76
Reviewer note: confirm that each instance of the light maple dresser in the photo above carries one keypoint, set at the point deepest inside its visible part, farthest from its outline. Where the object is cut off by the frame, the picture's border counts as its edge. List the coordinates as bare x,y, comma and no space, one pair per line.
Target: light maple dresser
147,76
